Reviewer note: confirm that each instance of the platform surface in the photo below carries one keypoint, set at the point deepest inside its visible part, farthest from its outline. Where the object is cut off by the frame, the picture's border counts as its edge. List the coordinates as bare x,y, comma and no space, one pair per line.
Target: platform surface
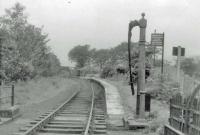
115,110
113,99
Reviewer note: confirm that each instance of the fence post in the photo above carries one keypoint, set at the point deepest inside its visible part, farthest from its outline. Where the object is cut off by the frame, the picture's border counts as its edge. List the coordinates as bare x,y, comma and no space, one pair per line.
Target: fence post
13,96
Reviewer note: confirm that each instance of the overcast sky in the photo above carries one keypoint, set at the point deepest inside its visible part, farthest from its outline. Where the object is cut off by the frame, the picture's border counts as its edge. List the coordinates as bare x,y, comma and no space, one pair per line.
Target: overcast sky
103,23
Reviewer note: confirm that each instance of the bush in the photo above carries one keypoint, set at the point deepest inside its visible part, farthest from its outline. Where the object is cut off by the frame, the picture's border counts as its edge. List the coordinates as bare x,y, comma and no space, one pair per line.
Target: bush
107,72
163,91
154,127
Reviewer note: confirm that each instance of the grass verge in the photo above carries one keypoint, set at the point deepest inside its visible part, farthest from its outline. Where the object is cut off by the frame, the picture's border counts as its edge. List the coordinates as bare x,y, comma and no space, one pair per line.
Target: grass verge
38,90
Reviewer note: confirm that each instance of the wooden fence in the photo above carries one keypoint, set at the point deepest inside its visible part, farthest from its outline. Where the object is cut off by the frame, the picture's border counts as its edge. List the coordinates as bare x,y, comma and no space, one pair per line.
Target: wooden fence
180,113
6,96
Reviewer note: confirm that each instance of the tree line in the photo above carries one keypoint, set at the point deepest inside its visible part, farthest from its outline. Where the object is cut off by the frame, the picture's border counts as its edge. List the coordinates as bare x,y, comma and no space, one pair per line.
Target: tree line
84,55
191,66
24,52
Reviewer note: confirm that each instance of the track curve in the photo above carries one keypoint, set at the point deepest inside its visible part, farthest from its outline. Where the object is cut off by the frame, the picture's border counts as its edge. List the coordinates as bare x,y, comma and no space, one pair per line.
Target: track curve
81,114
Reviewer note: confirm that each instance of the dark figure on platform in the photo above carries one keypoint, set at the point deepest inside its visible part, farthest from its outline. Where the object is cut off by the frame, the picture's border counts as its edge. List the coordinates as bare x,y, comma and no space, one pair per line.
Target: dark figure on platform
121,70
135,72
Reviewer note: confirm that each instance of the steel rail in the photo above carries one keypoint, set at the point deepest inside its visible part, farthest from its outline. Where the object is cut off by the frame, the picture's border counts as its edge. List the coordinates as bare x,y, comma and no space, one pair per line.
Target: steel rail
49,117
91,113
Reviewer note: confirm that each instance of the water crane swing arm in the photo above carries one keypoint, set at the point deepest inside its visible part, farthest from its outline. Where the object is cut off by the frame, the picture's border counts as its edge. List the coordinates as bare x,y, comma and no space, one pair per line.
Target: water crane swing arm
131,25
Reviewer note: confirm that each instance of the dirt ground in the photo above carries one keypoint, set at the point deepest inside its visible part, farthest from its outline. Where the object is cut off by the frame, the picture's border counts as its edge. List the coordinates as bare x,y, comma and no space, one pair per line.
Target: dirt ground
159,110
37,97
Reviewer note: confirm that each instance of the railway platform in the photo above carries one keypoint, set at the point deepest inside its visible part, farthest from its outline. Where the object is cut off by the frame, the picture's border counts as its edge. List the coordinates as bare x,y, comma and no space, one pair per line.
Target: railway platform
114,107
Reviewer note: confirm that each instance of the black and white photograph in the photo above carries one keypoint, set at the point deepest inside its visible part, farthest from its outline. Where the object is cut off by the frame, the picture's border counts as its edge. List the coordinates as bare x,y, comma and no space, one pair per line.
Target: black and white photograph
99,67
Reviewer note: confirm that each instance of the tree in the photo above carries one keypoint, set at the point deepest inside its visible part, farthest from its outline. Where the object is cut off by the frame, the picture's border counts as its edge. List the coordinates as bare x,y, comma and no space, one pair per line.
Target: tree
189,66
24,45
80,54
48,66
101,57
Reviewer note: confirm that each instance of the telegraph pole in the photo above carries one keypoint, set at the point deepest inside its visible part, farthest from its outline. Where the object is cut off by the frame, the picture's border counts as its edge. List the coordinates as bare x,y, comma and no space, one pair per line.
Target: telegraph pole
178,63
179,52
154,52
162,66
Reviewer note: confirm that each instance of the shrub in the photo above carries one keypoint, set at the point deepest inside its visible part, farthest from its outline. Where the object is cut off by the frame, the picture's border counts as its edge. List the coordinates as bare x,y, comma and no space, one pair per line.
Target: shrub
107,72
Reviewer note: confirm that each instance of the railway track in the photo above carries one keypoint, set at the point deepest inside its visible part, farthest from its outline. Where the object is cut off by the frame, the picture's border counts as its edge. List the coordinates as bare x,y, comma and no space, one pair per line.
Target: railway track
81,114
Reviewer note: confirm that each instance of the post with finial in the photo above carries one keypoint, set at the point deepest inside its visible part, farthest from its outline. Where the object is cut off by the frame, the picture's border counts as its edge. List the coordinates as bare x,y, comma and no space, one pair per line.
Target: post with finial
141,68
140,105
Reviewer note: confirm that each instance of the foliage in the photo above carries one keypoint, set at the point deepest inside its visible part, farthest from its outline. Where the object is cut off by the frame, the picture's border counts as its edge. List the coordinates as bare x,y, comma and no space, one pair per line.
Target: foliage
120,53
48,66
162,91
116,57
189,66
158,63
25,53
107,72
80,54
101,57
42,88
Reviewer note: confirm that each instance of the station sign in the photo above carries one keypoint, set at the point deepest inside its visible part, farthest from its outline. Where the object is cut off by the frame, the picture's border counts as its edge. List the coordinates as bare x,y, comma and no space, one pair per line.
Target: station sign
175,51
157,39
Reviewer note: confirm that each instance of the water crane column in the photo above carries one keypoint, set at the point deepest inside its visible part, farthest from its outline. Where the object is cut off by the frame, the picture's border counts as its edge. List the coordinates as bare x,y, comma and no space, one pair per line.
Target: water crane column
140,106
